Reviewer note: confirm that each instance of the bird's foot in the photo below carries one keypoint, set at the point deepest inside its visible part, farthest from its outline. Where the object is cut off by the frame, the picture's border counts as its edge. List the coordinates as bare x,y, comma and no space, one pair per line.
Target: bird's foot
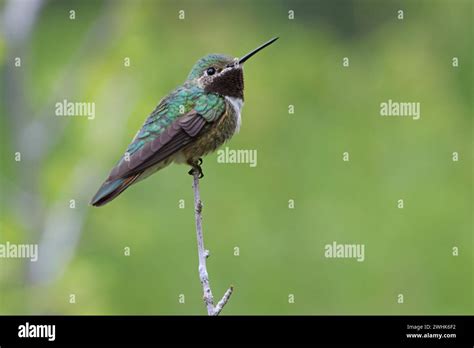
196,166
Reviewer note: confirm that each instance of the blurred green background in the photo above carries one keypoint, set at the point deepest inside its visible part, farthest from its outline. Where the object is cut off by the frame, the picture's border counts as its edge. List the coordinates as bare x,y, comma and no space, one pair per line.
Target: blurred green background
300,157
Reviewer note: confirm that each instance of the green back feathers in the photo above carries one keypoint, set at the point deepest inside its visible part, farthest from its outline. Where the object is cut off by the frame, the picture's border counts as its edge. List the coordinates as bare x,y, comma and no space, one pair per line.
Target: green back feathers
181,101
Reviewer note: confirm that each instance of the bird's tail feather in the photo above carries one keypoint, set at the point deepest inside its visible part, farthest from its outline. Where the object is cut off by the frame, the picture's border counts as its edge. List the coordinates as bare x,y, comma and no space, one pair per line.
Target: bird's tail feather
111,189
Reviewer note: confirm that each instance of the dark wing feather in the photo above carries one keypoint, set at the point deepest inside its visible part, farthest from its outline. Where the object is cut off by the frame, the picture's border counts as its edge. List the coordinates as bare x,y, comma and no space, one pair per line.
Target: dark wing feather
175,137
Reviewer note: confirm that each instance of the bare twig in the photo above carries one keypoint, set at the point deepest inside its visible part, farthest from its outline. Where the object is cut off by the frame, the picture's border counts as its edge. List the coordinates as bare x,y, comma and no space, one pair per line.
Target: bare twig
220,305
204,254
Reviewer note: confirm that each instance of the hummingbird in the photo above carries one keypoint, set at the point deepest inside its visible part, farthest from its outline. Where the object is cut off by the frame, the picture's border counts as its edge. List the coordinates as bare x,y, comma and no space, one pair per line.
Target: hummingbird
192,121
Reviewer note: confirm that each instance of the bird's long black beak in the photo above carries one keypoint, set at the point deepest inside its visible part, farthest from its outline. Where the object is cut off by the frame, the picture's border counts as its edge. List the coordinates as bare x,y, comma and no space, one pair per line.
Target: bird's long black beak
248,55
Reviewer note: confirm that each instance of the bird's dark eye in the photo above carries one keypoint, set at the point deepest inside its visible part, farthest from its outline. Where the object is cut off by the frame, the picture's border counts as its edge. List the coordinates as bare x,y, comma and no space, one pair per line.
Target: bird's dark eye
210,71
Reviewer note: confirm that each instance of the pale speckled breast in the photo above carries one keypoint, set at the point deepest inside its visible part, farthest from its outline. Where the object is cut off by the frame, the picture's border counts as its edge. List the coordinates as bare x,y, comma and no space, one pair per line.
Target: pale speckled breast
217,134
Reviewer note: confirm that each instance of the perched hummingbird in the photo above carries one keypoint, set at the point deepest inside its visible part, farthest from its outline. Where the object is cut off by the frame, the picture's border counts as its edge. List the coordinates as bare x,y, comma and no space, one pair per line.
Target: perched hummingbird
192,121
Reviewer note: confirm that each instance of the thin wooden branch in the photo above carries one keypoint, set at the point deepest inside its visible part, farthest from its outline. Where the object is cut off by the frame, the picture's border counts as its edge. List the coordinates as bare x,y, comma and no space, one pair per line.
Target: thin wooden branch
204,254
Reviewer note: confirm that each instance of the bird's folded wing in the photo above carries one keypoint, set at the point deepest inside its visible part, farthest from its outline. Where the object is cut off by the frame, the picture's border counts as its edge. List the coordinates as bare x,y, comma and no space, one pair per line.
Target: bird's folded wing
175,137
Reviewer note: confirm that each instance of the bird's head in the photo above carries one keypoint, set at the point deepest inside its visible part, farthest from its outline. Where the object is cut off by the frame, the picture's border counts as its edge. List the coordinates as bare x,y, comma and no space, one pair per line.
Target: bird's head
221,74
